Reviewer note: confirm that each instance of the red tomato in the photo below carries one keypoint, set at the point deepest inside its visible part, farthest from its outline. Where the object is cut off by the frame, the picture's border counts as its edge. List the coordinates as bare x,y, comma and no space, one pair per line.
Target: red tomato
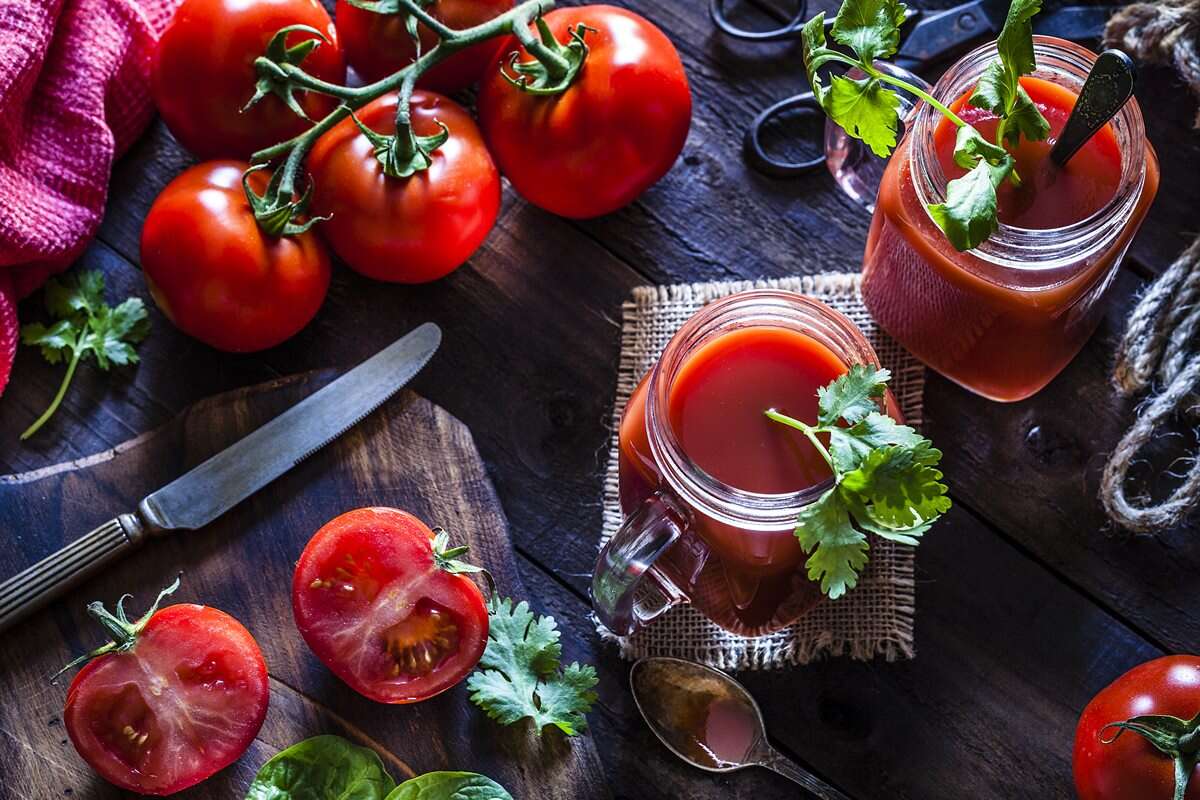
615,130
203,73
406,230
378,45
375,608
216,275
184,702
1130,768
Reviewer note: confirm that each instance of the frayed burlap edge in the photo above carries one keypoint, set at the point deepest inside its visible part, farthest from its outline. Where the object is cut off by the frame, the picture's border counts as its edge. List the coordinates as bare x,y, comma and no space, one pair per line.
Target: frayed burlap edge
876,619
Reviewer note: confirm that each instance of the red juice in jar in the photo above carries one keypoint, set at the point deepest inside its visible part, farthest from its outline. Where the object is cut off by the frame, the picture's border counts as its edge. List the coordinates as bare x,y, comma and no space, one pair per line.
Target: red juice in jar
1005,318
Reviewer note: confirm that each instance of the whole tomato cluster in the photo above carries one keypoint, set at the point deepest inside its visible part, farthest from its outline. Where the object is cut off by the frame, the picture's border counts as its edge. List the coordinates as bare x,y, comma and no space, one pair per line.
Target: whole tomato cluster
581,121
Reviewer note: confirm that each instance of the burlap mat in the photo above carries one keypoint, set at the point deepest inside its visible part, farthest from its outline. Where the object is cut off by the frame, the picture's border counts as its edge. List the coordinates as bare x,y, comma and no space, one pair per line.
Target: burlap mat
874,619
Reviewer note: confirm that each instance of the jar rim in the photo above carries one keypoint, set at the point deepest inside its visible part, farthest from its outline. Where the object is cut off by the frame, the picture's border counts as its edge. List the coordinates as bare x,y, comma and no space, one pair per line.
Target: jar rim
748,510
1035,249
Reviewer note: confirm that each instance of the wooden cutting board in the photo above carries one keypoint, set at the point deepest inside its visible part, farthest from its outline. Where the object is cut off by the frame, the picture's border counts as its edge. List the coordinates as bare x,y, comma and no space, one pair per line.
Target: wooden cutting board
409,454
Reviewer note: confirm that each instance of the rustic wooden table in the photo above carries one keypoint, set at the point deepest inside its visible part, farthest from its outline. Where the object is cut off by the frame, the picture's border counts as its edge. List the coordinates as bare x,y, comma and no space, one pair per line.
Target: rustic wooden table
1028,601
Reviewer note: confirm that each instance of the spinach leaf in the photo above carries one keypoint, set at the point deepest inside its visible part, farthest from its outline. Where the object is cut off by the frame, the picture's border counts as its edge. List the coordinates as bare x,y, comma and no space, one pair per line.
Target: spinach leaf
450,786
322,768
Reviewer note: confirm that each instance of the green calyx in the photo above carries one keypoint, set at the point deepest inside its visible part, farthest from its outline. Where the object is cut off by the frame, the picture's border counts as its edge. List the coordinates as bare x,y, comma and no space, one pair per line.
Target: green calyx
446,557
272,77
123,632
403,154
275,210
1174,737
554,65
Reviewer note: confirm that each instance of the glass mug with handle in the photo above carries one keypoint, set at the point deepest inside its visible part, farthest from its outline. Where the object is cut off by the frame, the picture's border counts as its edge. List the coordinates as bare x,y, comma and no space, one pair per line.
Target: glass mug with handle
710,487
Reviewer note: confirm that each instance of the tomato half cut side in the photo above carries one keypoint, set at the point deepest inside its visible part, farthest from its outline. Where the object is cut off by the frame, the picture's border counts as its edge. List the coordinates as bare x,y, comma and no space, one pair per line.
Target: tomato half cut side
183,702
372,603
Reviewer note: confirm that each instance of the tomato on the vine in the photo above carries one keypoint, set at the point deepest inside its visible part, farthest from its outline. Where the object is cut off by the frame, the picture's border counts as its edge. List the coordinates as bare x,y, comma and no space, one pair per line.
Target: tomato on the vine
406,230
377,45
1115,757
203,73
612,133
217,275
183,700
384,608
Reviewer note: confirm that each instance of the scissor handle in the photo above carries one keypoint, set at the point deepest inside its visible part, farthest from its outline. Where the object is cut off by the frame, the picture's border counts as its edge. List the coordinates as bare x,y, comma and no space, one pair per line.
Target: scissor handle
716,10
760,161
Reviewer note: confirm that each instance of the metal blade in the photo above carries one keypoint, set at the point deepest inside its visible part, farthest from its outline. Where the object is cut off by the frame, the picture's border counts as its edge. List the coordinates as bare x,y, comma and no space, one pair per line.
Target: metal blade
238,471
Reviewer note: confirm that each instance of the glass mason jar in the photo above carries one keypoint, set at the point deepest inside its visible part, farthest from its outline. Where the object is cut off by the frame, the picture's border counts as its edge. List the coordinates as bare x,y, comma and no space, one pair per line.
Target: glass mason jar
687,536
1003,319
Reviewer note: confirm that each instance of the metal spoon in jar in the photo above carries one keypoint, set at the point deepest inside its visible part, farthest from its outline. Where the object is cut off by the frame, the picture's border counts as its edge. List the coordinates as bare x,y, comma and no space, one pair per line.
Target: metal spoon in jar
710,721
1109,86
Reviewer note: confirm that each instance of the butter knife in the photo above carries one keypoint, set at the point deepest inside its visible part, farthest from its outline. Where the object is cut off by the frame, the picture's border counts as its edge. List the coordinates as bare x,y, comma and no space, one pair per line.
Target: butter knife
209,490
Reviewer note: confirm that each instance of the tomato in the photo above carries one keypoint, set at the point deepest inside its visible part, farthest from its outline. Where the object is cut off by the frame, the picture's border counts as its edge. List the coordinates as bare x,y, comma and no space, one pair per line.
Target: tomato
406,230
610,135
216,275
374,606
1130,767
378,45
184,702
203,73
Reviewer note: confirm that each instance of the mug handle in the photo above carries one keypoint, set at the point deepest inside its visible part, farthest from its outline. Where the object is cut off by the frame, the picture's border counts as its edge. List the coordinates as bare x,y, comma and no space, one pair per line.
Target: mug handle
618,587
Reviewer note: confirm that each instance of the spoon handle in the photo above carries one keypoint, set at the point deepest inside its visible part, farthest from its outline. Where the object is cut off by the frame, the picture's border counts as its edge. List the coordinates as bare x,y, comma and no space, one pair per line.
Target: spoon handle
1108,87
778,762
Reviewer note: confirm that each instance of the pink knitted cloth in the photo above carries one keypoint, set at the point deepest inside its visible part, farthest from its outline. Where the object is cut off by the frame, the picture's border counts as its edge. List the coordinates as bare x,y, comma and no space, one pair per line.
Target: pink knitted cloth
73,95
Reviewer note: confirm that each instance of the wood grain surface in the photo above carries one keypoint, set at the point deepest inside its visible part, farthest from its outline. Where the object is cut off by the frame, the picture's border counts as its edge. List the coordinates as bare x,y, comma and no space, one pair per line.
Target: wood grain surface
1027,601
409,454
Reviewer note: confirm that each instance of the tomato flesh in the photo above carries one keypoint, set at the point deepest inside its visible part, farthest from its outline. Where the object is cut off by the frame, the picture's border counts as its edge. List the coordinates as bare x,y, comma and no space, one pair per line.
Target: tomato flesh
375,608
183,703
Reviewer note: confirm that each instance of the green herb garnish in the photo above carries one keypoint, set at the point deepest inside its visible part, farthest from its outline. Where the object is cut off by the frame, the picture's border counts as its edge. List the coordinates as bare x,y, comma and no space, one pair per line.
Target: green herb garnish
86,326
867,109
885,479
519,675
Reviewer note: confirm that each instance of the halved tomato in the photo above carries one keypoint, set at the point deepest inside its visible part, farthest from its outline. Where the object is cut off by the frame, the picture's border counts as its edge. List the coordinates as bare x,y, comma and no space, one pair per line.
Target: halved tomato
385,612
183,700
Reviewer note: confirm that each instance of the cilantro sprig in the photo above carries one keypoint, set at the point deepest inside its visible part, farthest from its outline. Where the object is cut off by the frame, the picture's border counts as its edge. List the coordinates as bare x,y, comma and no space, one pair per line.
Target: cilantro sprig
520,675
885,479
86,326
867,109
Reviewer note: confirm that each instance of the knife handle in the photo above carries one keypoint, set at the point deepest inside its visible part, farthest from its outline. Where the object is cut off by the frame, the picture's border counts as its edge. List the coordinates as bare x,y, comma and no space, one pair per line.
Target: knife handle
37,585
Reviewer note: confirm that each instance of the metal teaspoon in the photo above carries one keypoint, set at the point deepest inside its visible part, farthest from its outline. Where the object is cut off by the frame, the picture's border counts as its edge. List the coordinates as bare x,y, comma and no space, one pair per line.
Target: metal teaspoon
710,721
1108,87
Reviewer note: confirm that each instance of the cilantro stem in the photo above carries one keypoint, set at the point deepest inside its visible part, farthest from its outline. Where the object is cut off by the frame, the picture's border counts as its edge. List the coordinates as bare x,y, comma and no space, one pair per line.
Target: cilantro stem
58,398
921,93
808,430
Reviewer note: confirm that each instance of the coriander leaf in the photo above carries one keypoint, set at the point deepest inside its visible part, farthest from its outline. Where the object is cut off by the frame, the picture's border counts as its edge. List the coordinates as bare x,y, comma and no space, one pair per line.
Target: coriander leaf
899,485
968,217
815,54
1015,42
1025,118
970,147
322,768
851,396
450,786
865,110
837,550
999,88
871,28
850,446
86,326
519,674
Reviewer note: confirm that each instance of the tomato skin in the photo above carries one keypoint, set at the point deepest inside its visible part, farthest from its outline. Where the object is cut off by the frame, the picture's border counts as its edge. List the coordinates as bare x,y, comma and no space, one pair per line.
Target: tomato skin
199,653
613,133
216,275
344,617
203,73
378,45
405,230
1130,768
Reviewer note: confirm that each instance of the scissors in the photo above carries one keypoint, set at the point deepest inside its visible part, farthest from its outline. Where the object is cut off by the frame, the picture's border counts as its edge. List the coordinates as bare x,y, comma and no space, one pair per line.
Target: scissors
925,37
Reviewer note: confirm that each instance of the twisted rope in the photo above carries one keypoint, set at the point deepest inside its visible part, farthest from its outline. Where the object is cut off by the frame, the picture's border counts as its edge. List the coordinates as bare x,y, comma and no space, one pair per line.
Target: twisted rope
1161,32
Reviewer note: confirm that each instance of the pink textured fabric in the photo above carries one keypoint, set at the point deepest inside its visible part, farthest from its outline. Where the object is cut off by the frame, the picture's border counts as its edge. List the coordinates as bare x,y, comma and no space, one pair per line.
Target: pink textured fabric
74,94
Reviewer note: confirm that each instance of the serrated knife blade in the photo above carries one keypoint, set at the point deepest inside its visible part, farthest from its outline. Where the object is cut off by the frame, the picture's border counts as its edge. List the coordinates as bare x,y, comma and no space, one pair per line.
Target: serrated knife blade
210,489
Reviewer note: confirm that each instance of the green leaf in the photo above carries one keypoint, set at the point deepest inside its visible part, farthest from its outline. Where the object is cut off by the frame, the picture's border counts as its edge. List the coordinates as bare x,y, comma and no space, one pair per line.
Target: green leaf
1025,118
56,341
322,768
871,28
866,110
968,217
815,53
837,550
852,396
851,446
450,786
901,486
1015,42
519,673
999,88
970,147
